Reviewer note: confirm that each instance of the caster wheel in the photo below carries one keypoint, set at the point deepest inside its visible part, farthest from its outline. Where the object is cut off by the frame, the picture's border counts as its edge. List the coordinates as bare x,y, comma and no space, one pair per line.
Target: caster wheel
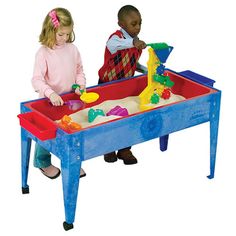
67,226
25,190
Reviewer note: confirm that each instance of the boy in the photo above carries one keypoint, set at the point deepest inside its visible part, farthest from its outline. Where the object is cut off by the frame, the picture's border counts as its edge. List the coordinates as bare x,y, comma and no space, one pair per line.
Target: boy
122,52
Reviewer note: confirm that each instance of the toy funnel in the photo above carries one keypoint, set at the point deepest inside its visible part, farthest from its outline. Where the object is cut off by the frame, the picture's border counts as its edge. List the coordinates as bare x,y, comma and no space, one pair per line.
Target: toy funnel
162,50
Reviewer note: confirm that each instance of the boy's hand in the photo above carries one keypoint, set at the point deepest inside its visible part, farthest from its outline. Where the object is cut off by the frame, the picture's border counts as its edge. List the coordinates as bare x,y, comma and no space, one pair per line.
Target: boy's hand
56,100
139,44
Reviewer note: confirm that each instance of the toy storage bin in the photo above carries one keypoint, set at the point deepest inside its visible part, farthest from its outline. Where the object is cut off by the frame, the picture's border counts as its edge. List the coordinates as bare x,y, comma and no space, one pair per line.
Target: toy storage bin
38,125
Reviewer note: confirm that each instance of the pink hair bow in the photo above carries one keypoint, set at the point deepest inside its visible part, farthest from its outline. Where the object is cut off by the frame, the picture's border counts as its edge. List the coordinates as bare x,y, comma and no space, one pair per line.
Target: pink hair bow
54,18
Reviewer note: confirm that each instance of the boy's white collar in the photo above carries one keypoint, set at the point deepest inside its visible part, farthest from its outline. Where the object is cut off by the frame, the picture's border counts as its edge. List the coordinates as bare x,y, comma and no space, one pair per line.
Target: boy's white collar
126,35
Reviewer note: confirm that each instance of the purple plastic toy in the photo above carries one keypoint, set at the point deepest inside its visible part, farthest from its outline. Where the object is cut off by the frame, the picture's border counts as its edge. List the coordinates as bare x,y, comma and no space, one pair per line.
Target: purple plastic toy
118,111
74,104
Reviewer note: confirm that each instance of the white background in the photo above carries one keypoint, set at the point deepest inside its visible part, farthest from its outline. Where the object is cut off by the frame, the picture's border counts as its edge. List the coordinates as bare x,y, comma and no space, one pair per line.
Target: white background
166,193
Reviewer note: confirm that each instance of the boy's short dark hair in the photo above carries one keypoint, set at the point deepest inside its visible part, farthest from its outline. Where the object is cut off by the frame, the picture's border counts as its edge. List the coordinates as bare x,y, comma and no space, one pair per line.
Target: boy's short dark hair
125,10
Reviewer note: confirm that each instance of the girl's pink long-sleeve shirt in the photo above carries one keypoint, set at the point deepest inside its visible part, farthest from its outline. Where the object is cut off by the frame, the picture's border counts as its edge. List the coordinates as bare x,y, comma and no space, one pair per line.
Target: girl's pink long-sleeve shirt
57,69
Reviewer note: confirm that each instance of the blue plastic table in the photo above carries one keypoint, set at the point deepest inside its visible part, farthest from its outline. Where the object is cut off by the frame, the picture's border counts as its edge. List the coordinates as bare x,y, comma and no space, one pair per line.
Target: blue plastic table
88,143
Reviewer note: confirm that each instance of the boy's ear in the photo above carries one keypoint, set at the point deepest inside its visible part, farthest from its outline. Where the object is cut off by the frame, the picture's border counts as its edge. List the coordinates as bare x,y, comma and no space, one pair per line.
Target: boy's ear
120,24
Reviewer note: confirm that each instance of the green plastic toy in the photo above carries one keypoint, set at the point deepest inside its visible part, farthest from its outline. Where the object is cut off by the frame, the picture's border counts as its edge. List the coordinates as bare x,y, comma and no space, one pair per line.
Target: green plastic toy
93,113
155,98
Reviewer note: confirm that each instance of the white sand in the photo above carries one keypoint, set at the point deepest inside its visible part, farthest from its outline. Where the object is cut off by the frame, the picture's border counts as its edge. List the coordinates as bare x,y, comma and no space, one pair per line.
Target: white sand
130,103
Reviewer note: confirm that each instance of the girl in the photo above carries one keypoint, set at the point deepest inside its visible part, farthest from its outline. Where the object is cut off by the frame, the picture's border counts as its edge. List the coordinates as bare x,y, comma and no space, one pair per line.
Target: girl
57,67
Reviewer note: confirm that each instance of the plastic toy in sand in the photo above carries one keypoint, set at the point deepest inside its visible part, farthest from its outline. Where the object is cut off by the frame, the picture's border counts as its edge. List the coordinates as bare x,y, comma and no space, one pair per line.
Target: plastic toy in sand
118,111
66,123
158,84
93,113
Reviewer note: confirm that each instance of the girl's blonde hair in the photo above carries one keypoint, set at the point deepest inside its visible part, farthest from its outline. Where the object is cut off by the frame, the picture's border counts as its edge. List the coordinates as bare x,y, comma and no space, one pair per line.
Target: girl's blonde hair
48,33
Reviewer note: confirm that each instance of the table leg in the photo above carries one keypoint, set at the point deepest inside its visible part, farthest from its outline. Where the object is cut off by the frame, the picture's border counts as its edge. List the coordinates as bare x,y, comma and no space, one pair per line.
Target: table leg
70,181
25,157
214,125
164,142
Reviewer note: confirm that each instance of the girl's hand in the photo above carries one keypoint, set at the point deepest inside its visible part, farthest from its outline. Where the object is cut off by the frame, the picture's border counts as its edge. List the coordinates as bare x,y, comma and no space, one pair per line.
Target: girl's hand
80,89
56,100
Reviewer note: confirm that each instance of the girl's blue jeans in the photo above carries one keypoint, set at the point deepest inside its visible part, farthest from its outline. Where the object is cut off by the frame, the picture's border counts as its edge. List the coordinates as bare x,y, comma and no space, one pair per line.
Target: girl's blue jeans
42,158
